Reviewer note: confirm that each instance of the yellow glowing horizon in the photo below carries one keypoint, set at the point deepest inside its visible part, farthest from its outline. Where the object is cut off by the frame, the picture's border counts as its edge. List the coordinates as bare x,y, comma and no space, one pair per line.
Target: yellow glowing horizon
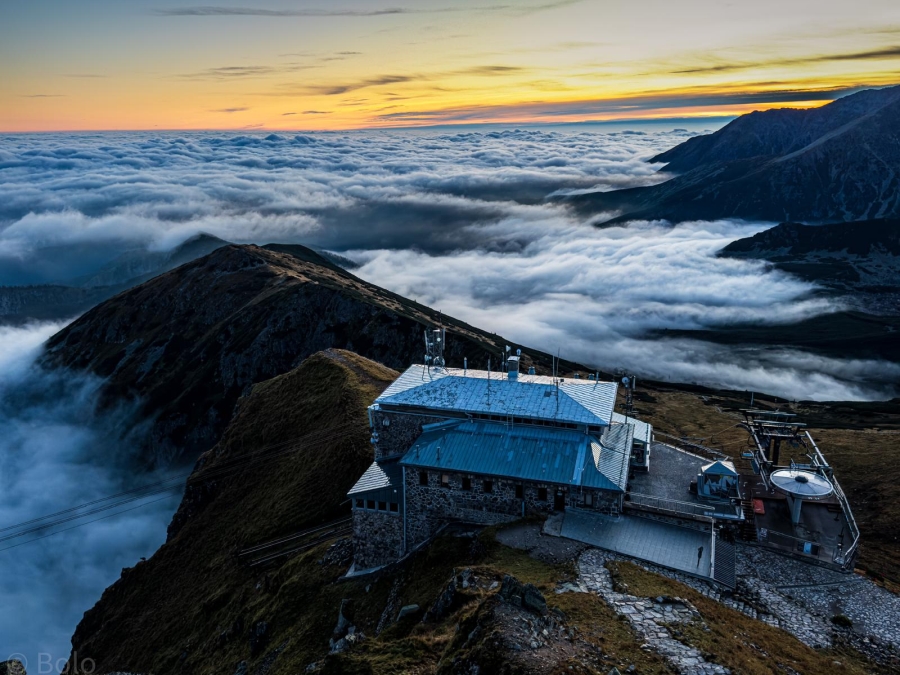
352,64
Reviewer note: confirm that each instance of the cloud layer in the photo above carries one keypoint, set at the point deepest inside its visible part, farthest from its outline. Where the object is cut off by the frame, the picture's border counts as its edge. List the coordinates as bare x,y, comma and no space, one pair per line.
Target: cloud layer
461,221
95,194
598,295
56,451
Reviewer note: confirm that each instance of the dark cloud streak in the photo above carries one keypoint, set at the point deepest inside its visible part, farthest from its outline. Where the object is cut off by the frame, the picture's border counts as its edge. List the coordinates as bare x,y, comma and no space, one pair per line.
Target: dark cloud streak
216,10
873,54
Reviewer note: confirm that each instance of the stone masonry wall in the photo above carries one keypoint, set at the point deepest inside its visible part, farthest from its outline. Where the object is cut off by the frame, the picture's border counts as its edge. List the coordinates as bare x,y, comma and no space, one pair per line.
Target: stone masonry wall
400,433
430,506
377,538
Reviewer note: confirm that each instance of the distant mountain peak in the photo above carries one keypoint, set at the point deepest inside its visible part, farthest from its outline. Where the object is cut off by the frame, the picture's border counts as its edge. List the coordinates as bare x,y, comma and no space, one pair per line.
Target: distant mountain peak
839,162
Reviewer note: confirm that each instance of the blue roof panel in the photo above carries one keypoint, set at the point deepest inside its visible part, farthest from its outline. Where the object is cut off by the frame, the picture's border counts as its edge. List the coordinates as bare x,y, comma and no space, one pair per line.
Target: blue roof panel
477,391
549,455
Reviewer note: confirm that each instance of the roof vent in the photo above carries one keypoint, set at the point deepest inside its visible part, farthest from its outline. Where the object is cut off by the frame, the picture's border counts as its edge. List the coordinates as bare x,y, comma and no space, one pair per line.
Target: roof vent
512,368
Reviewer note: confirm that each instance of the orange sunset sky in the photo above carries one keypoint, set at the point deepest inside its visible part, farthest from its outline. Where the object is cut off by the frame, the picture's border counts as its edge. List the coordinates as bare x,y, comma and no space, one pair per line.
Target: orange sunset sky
279,64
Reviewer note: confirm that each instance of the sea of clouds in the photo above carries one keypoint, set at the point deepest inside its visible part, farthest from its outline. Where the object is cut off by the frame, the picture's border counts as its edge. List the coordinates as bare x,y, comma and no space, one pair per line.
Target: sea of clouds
57,451
470,223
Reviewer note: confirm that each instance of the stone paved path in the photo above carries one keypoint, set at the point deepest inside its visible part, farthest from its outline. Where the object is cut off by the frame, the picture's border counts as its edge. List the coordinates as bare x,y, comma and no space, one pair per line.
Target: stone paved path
804,597
800,598
648,618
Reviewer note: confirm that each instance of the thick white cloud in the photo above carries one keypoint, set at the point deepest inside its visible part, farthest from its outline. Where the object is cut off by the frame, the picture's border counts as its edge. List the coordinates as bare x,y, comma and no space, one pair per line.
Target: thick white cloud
599,294
108,191
56,451
459,220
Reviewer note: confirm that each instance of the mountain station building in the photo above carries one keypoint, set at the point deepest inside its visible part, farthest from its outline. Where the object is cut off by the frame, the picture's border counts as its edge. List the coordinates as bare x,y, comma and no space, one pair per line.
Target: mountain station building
475,446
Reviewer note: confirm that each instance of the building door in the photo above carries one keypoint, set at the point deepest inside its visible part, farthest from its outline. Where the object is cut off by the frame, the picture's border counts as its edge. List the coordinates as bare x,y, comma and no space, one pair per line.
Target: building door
559,501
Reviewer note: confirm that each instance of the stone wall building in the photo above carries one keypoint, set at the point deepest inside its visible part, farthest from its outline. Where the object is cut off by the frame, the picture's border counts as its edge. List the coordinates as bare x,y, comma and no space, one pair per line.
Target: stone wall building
460,445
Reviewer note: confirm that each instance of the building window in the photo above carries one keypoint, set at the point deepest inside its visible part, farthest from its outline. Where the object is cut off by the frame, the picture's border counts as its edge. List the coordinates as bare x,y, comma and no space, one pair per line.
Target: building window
445,480
520,491
395,507
466,483
488,486
588,499
542,494
423,478
382,506
359,503
370,504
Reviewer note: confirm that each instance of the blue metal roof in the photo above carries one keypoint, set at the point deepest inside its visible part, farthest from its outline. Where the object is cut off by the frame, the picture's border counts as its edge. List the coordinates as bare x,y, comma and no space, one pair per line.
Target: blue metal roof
523,452
643,432
610,455
530,396
378,477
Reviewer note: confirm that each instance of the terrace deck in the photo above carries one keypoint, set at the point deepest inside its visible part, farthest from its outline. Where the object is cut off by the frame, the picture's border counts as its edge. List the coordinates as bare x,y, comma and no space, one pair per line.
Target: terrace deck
668,480
821,533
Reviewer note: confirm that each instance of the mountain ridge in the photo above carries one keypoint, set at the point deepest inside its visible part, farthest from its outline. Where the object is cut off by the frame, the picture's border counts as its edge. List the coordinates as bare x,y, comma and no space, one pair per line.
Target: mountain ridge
70,297
837,163
189,343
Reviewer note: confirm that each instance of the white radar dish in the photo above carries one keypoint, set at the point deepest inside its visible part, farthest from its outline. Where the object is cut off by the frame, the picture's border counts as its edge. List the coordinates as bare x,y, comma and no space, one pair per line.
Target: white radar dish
801,483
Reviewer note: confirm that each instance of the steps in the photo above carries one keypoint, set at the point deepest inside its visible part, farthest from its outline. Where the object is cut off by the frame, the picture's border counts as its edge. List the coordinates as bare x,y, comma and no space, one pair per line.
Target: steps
723,570
747,530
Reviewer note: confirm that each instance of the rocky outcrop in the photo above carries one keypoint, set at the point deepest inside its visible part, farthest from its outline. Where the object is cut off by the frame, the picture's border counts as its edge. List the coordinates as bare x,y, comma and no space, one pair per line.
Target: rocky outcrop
13,667
523,595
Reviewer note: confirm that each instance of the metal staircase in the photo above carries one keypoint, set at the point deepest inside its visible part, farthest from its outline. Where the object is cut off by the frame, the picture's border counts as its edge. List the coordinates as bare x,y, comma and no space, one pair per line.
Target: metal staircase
723,569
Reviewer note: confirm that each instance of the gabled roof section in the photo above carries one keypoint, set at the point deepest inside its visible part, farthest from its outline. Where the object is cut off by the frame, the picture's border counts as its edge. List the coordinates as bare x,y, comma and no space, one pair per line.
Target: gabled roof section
378,477
610,455
541,454
530,396
643,432
720,468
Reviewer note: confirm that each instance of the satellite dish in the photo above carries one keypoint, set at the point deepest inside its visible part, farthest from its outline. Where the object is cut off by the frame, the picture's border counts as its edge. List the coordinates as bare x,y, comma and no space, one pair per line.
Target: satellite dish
625,380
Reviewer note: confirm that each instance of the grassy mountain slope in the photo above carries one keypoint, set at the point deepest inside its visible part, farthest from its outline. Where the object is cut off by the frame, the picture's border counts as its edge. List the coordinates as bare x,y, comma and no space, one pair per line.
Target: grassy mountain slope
843,335
194,589
192,607
859,256
190,342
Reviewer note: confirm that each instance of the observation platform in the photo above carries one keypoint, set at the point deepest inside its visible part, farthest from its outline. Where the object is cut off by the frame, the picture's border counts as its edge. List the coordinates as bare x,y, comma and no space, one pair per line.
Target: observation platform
822,534
665,488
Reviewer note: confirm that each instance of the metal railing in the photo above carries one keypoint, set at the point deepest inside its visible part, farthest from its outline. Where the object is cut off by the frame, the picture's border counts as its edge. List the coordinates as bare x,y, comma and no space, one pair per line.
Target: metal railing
696,448
671,506
804,547
844,556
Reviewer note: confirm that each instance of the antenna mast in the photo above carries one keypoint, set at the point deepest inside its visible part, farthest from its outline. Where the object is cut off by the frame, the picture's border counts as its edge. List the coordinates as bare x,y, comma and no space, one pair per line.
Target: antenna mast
629,382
